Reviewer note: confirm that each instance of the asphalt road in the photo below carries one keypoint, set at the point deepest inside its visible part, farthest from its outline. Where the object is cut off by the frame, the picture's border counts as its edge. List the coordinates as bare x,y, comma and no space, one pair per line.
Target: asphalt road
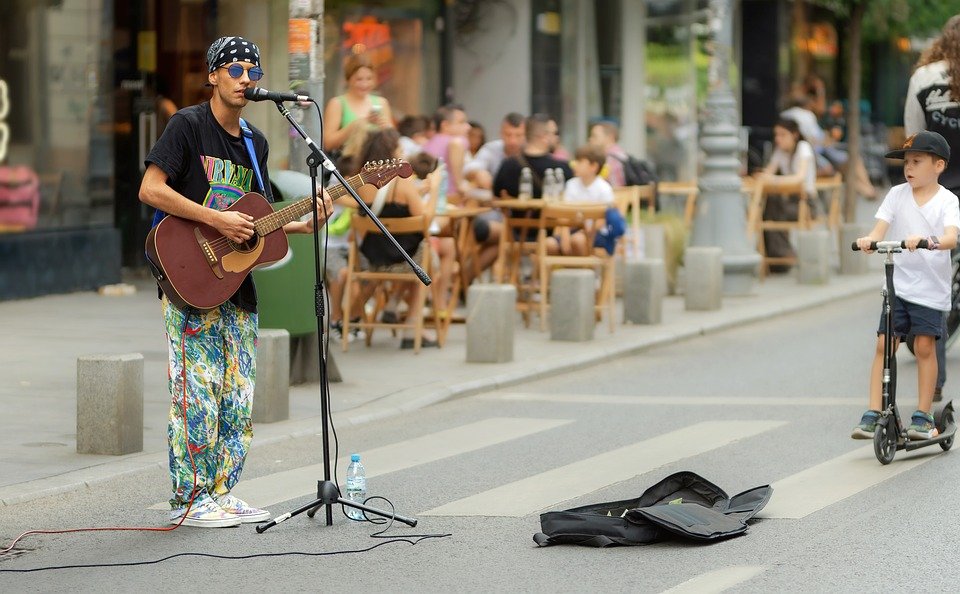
769,403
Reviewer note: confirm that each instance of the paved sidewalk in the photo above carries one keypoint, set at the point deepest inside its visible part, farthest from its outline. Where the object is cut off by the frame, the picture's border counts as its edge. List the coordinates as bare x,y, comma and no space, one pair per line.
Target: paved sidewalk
43,337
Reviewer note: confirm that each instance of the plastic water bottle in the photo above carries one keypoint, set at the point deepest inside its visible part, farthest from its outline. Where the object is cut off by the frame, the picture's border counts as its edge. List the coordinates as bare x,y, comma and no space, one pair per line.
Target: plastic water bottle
549,186
526,184
441,206
356,486
560,181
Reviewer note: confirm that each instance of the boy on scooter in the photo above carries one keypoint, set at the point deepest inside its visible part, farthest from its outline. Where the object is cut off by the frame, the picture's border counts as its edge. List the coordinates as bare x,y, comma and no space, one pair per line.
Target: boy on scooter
919,209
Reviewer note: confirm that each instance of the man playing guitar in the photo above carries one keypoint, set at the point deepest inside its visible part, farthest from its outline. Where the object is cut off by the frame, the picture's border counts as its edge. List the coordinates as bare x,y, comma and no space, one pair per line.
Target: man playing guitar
198,168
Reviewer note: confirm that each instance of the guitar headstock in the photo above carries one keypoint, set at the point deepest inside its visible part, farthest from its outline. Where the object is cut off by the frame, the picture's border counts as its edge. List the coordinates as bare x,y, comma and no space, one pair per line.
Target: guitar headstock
379,173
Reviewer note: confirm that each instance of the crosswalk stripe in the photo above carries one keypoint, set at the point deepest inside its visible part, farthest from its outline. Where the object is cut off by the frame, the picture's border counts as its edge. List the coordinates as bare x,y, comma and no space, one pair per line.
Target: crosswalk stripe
714,582
814,488
290,484
673,400
537,492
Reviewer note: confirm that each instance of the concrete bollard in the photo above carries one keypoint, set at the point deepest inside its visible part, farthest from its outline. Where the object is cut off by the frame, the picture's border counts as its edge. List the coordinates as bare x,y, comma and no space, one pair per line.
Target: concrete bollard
703,278
813,257
572,305
491,317
110,404
852,262
645,286
271,396
305,362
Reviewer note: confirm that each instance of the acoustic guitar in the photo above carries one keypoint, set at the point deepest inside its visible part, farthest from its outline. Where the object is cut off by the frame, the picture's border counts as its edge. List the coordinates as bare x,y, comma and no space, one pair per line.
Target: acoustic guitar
197,267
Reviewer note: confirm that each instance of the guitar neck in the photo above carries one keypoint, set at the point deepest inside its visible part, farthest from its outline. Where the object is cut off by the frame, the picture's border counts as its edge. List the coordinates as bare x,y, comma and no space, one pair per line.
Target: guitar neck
287,214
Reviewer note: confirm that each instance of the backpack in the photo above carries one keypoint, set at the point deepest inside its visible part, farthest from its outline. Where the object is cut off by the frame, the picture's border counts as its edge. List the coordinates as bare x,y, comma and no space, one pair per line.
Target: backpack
637,172
684,505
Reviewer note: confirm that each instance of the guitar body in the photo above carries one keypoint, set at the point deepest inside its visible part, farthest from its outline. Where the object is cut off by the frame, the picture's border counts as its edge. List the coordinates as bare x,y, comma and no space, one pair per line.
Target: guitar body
198,267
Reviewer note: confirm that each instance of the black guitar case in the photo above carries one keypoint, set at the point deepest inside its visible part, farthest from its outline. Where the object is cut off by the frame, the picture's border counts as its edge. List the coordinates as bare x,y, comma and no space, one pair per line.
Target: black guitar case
683,505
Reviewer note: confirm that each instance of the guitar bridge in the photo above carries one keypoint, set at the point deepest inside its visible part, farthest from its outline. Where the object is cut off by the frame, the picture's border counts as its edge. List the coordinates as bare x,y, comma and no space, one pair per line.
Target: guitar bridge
208,252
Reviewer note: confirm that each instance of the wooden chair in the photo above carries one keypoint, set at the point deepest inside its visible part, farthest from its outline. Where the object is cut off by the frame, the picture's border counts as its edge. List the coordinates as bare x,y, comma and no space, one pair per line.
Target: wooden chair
757,223
590,218
831,188
628,200
396,273
690,190
521,220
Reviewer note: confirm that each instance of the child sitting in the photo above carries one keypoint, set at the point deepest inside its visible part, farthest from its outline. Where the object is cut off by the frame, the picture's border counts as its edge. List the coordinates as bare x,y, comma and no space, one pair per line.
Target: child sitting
589,188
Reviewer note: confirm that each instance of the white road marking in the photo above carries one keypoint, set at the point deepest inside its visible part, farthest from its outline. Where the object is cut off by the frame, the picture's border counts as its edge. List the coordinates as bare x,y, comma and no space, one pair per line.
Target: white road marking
817,487
674,400
291,484
548,488
714,582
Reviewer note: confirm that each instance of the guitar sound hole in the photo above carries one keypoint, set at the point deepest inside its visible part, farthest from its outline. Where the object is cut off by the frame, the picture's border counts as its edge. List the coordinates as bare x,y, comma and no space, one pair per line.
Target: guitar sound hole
247,245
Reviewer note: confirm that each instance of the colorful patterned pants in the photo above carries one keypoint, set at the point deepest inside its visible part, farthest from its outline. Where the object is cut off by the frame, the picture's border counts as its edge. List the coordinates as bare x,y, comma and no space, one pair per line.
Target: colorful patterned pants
217,351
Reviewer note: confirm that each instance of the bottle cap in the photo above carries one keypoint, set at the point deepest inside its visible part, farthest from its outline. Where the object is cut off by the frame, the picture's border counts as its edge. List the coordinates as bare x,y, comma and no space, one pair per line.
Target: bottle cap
354,457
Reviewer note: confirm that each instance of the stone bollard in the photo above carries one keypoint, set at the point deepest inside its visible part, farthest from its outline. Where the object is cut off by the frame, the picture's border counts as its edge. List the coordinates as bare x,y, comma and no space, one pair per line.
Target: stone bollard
271,396
813,257
645,286
703,278
110,404
305,362
852,262
572,305
491,317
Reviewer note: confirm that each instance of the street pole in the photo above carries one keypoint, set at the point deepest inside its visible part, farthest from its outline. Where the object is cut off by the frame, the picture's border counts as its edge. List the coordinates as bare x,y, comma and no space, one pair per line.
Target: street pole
721,217
306,69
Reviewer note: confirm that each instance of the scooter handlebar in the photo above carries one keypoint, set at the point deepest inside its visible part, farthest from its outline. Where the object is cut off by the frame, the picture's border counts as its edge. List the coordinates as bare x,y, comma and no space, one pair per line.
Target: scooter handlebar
886,245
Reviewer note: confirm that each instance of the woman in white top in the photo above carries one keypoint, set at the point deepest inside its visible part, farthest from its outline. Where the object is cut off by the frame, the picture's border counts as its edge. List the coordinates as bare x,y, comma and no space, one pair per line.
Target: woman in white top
793,160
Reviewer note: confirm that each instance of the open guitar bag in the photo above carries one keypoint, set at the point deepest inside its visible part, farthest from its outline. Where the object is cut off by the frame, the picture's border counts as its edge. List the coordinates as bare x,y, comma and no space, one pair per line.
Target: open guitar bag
683,505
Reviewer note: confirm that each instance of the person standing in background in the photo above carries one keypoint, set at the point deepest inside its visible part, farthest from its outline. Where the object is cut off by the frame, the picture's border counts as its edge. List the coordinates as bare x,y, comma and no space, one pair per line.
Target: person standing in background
933,103
358,108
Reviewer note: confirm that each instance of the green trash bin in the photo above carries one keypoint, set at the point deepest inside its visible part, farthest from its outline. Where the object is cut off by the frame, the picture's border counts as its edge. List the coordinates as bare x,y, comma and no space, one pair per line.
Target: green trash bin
285,289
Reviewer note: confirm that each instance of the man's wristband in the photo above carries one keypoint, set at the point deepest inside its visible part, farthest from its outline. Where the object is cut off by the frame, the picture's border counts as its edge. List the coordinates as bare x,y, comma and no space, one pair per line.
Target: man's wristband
933,242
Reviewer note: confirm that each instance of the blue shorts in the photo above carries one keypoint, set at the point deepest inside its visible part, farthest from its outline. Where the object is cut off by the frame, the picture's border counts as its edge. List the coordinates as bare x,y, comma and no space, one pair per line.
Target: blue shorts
910,318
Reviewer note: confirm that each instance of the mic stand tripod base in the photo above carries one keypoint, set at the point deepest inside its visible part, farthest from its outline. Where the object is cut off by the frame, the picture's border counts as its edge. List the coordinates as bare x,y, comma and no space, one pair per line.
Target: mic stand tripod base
328,494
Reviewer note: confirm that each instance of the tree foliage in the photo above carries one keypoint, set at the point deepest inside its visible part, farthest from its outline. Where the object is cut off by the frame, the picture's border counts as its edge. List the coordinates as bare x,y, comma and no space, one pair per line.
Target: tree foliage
884,19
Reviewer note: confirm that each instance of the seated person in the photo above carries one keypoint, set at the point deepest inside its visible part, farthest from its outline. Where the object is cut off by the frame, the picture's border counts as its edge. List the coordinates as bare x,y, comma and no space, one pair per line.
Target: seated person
415,131
480,171
399,198
541,133
588,187
450,144
604,135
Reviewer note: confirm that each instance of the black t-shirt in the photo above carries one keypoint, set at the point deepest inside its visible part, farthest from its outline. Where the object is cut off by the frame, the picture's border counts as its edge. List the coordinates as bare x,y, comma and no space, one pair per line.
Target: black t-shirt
508,176
211,167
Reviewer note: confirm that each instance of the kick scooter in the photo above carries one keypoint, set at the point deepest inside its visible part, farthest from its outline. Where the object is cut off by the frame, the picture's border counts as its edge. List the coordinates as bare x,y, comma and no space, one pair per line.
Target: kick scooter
890,434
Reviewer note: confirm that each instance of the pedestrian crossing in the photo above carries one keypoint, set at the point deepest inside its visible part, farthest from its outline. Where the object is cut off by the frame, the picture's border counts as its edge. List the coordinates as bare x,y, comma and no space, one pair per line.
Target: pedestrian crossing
795,497
718,580
555,486
670,400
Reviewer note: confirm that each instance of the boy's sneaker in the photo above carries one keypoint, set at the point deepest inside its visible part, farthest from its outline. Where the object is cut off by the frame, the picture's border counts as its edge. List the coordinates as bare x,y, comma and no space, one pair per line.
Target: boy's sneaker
239,508
922,426
204,513
867,426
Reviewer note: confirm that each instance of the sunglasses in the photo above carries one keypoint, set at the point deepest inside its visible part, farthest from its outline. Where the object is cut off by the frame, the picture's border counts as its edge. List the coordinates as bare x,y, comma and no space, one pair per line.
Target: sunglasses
236,71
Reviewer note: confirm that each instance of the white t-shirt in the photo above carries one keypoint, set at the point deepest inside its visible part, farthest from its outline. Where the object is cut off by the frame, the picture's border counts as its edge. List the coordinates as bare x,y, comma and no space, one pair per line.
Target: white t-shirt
599,190
923,276
807,122
788,165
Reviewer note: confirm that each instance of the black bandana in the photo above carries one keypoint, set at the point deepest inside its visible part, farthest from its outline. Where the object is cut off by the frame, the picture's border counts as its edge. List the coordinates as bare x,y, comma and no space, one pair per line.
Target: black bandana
227,50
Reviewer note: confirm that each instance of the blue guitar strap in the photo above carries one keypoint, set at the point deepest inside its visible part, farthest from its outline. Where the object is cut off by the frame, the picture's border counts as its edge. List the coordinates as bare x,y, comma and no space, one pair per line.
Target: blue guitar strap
248,141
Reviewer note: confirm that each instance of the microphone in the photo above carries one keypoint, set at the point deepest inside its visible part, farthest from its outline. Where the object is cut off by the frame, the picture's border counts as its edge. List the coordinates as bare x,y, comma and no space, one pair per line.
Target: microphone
258,94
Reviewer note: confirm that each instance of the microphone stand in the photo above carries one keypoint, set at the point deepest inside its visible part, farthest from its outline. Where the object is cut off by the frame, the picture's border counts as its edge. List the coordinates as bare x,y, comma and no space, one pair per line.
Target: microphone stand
328,493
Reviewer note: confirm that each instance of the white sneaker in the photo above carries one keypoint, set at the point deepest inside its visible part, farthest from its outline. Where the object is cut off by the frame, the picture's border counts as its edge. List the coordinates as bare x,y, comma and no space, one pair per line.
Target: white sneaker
239,508
204,513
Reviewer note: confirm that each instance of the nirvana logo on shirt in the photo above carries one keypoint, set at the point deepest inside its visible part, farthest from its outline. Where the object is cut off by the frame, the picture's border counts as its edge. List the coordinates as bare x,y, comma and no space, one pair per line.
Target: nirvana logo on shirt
228,181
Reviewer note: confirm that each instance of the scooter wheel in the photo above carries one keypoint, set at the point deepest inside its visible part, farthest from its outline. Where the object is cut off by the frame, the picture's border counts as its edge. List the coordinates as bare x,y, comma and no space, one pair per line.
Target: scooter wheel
884,443
946,444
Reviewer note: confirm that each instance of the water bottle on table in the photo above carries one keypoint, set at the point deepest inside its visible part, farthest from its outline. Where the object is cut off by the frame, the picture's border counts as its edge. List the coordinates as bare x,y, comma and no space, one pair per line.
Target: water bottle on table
526,184
356,486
